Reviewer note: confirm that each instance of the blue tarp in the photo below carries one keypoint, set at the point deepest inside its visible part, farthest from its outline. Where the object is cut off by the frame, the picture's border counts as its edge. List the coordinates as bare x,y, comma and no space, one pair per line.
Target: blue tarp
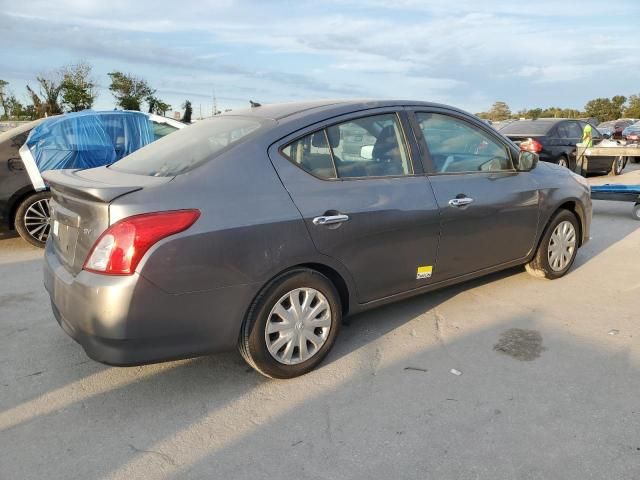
88,139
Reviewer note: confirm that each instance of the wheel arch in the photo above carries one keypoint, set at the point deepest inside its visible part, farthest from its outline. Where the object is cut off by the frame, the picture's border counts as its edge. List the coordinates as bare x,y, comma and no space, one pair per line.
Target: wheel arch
15,201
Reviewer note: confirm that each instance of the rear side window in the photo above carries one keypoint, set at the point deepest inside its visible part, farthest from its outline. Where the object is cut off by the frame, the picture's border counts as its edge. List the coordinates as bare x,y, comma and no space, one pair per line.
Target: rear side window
371,146
189,147
162,129
574,130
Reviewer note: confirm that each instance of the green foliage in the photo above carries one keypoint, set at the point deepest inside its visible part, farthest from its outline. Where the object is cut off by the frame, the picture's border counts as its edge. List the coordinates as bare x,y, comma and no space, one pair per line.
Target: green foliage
128,90
157,106
78,88
3,94
47,101
605,109
633,107
188,111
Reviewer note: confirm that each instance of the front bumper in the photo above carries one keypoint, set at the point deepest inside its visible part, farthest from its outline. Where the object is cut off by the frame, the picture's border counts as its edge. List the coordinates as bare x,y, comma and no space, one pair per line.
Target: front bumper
127,320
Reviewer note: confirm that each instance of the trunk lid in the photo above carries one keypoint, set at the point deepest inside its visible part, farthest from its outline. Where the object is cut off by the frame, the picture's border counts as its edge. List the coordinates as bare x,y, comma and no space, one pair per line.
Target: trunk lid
80,202
518,139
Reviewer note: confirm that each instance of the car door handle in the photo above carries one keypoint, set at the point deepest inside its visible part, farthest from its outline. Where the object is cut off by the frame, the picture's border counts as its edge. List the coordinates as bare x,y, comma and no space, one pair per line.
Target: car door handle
330,219
460,202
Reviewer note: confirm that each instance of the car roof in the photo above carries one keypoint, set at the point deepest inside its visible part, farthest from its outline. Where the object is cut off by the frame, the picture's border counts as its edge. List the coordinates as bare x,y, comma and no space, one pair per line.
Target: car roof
281,111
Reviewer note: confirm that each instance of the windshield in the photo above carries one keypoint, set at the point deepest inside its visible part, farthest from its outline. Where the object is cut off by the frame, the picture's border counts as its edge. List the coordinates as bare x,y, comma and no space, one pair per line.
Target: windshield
527,127
189,147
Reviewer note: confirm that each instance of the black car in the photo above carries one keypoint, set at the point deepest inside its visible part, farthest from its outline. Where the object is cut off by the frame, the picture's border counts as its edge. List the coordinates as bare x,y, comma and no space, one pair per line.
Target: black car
555,139
17,193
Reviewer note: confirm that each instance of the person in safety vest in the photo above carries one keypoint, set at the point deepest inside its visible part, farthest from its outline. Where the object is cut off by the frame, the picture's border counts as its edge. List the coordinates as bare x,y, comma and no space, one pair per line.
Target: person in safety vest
587,138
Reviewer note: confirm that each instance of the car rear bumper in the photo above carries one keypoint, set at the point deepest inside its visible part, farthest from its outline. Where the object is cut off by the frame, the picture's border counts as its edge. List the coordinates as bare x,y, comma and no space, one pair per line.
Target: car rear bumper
127,320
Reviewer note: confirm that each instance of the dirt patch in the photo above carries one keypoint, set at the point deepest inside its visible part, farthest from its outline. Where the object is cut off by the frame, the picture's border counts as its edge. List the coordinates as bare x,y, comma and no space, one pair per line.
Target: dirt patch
525,345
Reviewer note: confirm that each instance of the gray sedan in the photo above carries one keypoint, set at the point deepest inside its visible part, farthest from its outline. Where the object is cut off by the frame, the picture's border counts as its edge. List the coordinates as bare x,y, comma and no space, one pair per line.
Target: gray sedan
263,228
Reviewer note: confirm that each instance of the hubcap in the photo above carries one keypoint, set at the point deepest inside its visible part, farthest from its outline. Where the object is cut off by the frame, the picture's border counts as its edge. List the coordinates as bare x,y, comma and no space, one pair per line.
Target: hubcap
620,164
298,326
562,246
562,162
36,220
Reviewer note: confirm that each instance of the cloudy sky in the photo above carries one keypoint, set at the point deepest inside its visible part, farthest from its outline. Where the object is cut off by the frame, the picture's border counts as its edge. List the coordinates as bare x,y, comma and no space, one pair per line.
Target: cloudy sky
465,52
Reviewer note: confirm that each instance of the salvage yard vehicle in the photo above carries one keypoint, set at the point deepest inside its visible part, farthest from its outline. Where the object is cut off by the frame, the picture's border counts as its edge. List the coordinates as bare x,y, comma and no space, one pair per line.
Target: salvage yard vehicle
75,140
254,229
554,140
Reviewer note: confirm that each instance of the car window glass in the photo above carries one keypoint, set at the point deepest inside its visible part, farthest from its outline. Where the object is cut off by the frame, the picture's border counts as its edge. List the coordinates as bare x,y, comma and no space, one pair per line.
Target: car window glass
574,130
312,154
162,129
190,147
457,146
562,130
369,147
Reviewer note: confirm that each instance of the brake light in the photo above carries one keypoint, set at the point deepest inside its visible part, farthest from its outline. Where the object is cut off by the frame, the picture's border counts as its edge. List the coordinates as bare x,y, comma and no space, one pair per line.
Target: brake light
531,145
121,247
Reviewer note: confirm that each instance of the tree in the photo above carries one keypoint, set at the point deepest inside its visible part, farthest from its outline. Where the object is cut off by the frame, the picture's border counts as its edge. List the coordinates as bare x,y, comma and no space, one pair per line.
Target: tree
633,107
499,111
46,103
128,90
188,111
605,109
13,108
157,106
78,89
3,94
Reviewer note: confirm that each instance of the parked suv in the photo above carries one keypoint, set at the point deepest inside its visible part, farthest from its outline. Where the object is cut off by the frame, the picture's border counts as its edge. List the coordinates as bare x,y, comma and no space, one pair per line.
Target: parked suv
554,140
75,140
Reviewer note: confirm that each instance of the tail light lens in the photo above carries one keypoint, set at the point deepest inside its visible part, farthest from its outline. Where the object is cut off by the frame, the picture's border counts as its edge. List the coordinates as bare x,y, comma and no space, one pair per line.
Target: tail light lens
121,247
531,145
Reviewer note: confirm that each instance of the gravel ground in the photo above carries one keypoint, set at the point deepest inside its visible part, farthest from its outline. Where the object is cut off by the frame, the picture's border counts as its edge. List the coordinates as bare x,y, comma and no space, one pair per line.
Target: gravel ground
547,387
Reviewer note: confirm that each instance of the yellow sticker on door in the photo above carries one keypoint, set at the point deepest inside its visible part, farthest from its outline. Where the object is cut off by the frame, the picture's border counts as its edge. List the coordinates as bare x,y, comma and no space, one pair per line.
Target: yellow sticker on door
424,272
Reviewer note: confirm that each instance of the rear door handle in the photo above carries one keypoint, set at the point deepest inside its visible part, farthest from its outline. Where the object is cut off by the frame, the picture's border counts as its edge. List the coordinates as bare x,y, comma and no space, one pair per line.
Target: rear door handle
330,219
460,202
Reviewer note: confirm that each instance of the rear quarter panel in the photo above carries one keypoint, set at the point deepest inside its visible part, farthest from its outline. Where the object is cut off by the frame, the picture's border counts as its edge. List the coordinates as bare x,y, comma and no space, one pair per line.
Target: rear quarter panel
249,229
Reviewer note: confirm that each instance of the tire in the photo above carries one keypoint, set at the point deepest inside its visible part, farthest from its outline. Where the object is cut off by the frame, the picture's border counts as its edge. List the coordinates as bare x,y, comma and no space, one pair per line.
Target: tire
617,166
32,219
636,211
541,265
288,360
563,161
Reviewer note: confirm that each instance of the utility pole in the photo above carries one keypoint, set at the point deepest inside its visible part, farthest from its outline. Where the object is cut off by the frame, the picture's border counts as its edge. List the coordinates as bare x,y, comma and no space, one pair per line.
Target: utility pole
215,104
200,117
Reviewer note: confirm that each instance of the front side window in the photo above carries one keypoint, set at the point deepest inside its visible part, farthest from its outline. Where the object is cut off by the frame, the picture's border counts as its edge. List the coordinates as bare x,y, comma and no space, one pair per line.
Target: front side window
371,146
457,146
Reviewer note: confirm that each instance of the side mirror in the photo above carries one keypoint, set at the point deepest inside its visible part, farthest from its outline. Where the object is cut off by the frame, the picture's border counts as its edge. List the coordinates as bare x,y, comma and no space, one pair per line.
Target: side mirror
527,161
366,152
606,135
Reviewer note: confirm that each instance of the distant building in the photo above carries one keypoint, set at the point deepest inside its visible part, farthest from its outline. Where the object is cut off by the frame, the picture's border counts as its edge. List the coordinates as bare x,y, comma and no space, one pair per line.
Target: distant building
177,115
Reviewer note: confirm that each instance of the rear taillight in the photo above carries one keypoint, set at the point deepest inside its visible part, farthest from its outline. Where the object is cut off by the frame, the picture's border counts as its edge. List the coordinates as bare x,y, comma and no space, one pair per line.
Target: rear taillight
531,145
121,247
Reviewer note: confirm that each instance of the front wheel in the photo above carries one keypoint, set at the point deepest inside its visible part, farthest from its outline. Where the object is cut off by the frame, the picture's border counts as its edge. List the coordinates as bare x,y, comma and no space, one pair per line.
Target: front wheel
563,162
291,325
32,219
557,249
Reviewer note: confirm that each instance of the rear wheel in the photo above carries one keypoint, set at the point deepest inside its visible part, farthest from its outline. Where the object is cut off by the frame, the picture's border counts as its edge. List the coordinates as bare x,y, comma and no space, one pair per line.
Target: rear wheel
563,162
32,219
557,249
291,325
617,165
636,211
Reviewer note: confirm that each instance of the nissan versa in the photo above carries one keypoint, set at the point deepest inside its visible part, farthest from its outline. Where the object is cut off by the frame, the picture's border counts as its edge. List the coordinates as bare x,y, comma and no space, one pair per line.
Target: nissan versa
262,228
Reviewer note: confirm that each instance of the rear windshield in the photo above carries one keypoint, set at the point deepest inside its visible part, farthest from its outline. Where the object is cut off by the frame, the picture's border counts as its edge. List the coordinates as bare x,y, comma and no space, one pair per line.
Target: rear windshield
531,127
189,147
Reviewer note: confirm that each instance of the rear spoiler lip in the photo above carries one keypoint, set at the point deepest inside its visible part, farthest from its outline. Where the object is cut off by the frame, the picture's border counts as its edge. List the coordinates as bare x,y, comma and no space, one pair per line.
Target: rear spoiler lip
65,181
